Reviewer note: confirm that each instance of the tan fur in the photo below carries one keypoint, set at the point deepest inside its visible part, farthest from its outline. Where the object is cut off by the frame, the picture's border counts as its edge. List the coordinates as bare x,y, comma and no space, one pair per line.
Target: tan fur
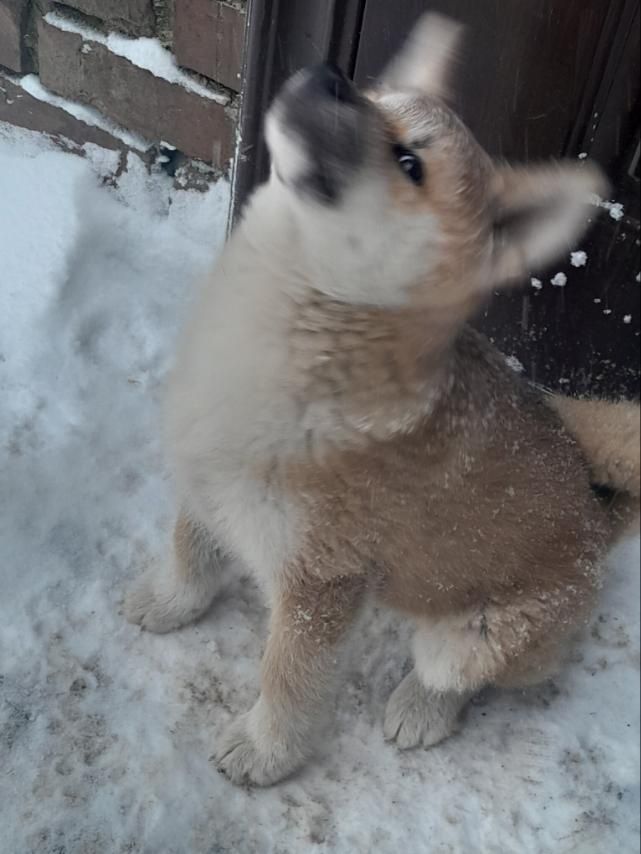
446,519
310,618
336,425
461,495
428,56
610,436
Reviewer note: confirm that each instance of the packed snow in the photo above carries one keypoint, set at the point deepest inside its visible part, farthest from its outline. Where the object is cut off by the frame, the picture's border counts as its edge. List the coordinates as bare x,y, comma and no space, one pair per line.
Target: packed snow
105,731
146,53
90,116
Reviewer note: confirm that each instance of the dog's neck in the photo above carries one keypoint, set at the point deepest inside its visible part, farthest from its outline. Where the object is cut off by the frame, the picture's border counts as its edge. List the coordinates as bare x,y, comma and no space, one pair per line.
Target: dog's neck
377,370
383,369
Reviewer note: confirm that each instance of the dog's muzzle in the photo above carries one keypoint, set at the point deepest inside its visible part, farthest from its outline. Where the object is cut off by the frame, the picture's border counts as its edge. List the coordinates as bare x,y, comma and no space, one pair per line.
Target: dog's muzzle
318,132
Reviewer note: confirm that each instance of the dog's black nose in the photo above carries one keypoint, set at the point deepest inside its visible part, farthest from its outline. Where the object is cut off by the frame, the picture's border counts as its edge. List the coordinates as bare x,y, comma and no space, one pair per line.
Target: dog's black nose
330,80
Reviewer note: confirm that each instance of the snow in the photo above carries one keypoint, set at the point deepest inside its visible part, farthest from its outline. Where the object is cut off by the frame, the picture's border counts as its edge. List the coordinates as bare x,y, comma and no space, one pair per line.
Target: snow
627,319
537,284
579,259
32,85
146,53
615,209
515,364
560,280
106,732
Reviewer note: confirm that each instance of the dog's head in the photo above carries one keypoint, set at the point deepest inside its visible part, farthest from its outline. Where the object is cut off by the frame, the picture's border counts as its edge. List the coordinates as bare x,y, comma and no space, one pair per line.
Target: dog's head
395,201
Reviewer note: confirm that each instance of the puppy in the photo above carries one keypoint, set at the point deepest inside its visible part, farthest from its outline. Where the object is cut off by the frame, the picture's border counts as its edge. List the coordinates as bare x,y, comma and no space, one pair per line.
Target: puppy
335,423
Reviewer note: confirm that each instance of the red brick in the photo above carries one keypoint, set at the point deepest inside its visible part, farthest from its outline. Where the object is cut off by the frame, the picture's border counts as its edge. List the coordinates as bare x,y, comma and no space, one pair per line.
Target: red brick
133,97
209,37
13,26
135,17
21,109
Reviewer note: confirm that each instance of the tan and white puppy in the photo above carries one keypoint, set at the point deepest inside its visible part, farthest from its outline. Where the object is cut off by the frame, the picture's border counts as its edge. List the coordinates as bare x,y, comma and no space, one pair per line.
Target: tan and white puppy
335,424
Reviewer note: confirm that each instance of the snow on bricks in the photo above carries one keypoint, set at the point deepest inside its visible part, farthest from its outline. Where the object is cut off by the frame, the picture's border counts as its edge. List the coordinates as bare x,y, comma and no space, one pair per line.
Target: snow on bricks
13,26
209,37
25,109
129,16
134,83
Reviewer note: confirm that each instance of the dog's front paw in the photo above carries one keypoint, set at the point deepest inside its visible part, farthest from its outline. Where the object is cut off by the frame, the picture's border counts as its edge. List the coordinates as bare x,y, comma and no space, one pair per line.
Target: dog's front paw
160,603
250,754
417,717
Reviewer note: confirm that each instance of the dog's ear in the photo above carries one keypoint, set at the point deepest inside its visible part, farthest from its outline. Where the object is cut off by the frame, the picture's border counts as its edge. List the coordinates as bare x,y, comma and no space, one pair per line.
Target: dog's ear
538,214
426,61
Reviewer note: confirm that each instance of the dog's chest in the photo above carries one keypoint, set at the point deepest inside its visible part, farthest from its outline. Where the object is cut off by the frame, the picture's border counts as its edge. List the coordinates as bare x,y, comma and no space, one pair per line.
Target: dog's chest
251,517
231,430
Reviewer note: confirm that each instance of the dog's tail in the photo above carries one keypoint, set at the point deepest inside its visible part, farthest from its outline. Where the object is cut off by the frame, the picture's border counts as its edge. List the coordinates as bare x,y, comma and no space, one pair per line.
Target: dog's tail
610,436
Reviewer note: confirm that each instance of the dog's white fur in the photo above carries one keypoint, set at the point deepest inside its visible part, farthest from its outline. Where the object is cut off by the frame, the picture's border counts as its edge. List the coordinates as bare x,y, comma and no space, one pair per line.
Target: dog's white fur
237,402
229,402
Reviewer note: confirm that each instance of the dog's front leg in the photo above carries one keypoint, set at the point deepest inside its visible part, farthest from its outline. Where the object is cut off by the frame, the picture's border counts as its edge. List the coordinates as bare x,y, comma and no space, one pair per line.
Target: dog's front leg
275,738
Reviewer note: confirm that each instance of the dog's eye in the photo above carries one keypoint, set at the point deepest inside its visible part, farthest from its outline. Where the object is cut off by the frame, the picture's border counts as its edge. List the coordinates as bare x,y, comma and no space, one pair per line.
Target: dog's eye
411,164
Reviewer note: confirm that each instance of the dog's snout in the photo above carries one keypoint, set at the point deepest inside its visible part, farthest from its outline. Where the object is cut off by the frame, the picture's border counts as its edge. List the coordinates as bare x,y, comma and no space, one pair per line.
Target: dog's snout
329,80
318,132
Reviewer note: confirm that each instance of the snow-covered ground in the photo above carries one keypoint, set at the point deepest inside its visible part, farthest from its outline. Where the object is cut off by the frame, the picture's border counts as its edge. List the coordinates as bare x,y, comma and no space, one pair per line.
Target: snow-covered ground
106,732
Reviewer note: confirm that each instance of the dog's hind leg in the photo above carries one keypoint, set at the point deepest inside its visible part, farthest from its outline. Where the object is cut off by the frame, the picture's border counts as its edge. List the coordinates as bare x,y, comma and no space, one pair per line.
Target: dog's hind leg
512,644
426,707
417,716
182,590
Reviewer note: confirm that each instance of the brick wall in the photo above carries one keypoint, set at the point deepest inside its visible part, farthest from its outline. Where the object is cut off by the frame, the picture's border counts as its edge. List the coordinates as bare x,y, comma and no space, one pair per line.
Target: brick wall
165,73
